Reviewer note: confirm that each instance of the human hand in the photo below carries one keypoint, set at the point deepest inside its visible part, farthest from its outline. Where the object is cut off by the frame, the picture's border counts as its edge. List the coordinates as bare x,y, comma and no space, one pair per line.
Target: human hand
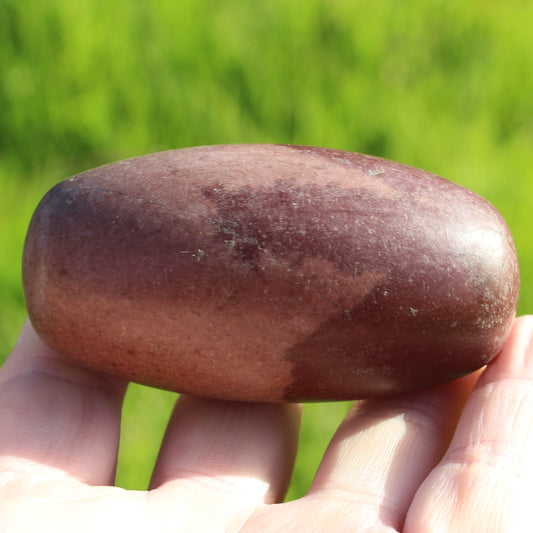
415,463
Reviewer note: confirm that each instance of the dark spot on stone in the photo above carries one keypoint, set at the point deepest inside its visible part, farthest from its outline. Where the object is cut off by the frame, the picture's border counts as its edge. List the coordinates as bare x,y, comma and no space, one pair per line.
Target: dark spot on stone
248,252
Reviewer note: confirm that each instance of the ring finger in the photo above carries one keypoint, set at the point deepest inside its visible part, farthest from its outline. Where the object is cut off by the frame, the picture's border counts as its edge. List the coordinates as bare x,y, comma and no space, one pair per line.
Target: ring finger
383,451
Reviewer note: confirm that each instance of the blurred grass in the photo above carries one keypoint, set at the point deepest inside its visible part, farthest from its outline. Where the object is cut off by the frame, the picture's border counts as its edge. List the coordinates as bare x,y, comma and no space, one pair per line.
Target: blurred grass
442,85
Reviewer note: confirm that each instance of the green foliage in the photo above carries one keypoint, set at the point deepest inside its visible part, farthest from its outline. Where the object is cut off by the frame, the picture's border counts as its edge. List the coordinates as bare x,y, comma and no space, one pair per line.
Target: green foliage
441,84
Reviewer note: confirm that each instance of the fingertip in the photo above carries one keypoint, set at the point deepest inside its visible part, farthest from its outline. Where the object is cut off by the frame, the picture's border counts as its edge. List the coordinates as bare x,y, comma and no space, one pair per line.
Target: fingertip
516,357
28,350
229,444
28,339
55,415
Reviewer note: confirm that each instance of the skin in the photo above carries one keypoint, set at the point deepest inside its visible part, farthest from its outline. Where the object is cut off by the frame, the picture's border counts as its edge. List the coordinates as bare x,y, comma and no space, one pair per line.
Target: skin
458,457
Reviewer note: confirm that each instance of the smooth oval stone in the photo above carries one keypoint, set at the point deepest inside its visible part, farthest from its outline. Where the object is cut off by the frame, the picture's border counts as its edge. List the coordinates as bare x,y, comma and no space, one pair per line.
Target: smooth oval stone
270,273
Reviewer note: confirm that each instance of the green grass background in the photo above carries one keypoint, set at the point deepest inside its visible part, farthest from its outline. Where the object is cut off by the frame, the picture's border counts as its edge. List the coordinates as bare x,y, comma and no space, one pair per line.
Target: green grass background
444,85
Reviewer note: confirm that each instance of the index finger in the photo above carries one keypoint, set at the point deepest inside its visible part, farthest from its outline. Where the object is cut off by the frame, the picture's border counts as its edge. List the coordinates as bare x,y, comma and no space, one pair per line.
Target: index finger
55,416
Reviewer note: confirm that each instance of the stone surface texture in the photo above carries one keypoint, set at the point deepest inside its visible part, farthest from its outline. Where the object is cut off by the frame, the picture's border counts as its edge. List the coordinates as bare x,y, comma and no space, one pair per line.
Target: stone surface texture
270,273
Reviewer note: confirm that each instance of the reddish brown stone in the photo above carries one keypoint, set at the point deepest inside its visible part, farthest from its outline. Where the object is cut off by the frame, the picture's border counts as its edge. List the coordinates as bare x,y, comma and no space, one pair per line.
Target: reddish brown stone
270,273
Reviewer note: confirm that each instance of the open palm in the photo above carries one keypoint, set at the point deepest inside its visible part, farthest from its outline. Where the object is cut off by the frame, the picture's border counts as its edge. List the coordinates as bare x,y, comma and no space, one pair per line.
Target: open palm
458,457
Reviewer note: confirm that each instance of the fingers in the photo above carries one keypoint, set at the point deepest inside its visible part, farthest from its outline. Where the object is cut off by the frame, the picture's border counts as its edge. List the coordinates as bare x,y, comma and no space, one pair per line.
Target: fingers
383,451
56,417
246,449
484,481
